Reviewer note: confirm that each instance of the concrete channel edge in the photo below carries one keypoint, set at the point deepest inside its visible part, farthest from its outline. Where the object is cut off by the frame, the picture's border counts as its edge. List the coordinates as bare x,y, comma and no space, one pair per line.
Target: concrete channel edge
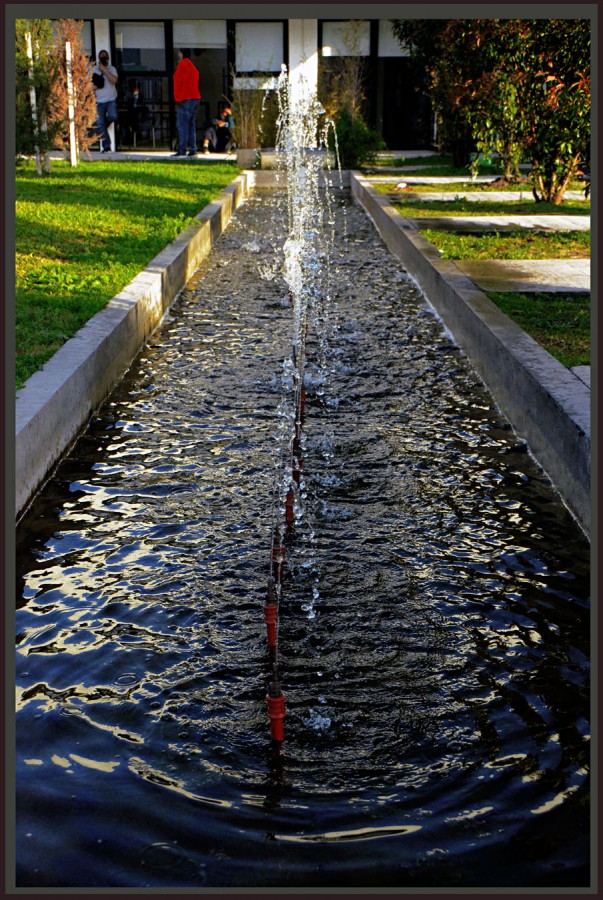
56,403
547,405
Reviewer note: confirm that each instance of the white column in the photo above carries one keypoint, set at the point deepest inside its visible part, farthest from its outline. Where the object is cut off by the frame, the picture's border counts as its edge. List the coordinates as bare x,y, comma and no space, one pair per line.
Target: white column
303,57
73,154
102,40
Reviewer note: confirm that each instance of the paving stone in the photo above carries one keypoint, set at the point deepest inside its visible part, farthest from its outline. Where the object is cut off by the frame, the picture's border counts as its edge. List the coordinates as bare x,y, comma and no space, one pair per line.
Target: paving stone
562,275
478,224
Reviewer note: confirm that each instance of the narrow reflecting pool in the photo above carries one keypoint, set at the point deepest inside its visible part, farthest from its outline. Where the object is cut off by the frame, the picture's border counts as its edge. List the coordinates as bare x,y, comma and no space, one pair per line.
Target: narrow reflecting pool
434,621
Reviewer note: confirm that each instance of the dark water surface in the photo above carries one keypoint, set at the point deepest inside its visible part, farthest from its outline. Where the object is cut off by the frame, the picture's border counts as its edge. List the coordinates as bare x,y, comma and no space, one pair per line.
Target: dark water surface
434,625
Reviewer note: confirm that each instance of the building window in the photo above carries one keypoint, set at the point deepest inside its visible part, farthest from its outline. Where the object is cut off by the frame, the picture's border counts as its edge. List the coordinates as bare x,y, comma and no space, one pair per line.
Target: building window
351,38
140,46
207,34
207,41
389,44
86,36
260,47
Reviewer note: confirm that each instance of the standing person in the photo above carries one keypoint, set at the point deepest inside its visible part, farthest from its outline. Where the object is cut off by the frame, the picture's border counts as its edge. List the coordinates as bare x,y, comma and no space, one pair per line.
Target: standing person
104,79
187,97
218,137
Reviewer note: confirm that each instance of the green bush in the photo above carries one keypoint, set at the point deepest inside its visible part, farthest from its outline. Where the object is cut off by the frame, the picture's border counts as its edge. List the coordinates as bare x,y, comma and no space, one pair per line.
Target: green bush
357,144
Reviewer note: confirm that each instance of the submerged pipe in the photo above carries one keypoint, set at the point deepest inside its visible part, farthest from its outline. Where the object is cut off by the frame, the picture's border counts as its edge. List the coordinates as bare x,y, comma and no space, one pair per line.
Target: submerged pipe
299,133
276,711
289,508
270,620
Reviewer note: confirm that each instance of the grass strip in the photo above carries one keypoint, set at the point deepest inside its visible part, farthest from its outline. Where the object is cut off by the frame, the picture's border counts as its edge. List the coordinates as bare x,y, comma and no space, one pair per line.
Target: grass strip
510,244
437,164
461,207
558,322
463,187
83,233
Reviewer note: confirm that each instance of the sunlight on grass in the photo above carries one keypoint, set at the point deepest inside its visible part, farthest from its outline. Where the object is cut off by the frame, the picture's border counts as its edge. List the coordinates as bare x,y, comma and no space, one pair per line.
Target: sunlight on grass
417,209
82,234
510,244
558,322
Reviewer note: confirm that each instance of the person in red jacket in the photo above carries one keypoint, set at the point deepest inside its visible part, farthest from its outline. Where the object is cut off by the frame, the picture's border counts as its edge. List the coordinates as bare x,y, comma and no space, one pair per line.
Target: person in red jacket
187,96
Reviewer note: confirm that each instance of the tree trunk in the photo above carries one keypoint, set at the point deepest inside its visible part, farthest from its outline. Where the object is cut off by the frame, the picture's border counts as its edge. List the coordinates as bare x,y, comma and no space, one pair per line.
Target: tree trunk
461,152
33,102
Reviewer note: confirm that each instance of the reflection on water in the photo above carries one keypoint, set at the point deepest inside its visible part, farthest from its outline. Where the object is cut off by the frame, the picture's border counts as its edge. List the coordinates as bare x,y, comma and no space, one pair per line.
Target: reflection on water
433,637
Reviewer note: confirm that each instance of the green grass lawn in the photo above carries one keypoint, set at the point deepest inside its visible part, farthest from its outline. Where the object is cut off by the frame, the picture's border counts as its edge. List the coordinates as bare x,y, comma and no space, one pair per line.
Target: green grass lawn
83,233
461,187
459,206
438,164
559,322
511,244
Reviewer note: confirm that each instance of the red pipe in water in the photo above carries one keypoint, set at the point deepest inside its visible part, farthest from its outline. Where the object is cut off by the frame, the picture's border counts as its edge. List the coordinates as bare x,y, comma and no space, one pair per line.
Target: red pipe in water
289,504
276,711
270,620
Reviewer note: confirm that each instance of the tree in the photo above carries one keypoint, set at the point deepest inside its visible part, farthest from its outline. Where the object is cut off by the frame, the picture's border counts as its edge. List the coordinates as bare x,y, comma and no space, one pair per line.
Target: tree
34,130
555,91
436,44
83,92
519,86
493,97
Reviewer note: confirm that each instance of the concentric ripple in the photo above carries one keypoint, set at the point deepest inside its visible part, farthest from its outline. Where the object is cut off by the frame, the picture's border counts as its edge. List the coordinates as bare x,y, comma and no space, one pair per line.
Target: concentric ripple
434,626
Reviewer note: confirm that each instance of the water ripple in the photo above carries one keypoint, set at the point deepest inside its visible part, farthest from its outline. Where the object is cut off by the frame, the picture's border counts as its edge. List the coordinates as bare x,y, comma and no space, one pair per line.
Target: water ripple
433,635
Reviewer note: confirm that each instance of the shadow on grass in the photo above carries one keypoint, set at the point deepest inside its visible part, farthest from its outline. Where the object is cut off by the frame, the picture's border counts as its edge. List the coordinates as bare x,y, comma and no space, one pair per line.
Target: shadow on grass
107,186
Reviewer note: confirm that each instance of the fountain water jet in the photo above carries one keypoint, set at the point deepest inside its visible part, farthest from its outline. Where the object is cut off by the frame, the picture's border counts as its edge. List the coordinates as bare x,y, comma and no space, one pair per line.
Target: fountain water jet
302,138
437,702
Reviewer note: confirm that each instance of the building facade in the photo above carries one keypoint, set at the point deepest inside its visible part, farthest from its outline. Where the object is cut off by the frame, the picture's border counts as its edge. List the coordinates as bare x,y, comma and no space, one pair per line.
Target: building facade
248,53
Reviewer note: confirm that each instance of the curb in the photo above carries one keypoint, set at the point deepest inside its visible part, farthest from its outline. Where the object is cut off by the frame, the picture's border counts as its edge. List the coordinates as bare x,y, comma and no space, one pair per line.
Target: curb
56,402
546,404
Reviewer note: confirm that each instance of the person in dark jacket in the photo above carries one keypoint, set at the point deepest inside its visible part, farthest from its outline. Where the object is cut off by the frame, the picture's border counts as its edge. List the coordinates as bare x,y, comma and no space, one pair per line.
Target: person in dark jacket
187,97
218,136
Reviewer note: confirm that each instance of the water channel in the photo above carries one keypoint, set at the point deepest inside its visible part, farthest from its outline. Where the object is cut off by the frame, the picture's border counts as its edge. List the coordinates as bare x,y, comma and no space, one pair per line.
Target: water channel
433,625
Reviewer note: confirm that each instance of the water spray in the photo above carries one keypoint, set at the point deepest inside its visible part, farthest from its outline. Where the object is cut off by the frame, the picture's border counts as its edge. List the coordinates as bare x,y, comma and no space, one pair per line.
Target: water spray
301,140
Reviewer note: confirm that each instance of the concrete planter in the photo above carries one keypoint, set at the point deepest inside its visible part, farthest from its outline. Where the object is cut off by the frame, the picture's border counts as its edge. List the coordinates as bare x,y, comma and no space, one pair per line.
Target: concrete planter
247,158
545,403
270,158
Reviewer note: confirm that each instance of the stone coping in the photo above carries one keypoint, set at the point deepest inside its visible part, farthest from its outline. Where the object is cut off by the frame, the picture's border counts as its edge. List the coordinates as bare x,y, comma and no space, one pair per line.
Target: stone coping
546,404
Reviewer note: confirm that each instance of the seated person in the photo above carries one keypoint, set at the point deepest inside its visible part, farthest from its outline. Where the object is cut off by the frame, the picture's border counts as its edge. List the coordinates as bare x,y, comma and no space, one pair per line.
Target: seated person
218,135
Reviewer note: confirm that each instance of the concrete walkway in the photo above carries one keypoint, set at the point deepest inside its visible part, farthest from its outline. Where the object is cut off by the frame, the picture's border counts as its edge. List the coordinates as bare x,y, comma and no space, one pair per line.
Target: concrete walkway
546,404
497,275
528,275
151,155
477,224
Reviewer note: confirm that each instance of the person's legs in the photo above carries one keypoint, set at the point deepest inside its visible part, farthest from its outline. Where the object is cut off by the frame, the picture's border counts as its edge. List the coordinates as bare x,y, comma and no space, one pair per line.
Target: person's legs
101,125
182,124
209,140
111,117
193,106
223,139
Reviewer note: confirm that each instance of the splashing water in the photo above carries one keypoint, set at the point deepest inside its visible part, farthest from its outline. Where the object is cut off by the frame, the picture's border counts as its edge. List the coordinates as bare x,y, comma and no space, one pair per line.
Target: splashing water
302,141
437,702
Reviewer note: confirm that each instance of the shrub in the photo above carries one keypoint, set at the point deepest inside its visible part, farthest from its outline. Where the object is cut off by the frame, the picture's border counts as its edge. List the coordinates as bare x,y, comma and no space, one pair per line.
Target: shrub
356,143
